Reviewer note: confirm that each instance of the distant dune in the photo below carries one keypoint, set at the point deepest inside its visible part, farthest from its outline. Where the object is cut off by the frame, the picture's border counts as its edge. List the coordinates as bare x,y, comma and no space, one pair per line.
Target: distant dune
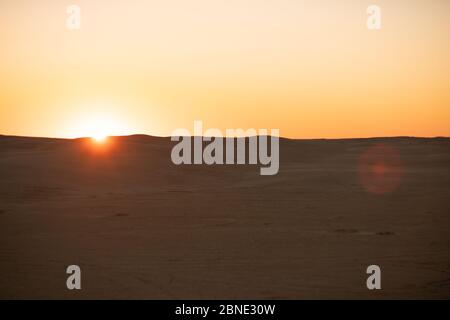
142,227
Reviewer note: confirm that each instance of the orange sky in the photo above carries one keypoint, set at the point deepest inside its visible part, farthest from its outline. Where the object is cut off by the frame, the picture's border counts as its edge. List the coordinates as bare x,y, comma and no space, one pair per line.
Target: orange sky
310,68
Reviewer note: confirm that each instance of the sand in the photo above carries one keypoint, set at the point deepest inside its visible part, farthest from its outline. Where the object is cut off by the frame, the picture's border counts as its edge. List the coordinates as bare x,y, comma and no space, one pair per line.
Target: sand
142,227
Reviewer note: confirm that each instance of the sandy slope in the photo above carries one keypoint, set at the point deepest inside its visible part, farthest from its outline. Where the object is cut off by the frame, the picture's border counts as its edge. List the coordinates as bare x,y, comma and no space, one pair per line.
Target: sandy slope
141,227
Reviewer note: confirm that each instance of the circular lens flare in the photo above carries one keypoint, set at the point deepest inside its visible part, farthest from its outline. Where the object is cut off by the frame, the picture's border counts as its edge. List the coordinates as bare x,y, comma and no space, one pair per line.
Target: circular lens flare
380,169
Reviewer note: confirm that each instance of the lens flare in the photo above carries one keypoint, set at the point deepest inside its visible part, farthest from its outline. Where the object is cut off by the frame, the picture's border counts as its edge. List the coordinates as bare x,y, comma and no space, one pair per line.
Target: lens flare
380,169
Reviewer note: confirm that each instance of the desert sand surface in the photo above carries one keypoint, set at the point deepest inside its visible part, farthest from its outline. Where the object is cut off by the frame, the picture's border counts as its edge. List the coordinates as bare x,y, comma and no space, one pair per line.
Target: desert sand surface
141,227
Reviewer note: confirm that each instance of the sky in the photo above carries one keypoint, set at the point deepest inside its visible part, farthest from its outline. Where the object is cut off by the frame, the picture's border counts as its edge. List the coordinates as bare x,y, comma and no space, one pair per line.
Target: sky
311,69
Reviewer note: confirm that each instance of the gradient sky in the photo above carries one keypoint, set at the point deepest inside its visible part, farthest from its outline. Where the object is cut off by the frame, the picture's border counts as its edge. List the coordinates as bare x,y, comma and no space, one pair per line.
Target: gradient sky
309,68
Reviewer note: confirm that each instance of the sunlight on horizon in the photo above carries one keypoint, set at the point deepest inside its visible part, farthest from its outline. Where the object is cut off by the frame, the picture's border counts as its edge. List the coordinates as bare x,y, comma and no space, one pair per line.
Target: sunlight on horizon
100,138
98,127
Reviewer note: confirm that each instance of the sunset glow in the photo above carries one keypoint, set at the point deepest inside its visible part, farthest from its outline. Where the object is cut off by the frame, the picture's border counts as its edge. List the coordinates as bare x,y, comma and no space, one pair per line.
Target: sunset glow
310,68
100,138
98,126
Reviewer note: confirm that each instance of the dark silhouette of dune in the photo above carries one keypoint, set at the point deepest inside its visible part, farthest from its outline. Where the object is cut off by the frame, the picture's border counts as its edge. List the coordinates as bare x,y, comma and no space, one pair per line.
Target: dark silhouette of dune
141,227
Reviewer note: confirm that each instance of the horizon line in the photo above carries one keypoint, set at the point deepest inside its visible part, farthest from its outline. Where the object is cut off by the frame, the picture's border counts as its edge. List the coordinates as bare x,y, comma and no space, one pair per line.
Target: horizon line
280,137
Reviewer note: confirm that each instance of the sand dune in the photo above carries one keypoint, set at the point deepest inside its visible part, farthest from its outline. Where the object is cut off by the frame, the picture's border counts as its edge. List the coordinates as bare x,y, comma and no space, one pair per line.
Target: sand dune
142,227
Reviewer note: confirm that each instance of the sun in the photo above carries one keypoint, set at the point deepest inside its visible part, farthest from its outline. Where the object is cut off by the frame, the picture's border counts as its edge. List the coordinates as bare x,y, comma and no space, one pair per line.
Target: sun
99,127
99,137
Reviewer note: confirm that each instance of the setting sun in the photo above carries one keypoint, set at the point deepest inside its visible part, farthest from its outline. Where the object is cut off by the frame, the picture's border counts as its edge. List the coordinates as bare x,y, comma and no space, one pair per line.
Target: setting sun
100,138
98,127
